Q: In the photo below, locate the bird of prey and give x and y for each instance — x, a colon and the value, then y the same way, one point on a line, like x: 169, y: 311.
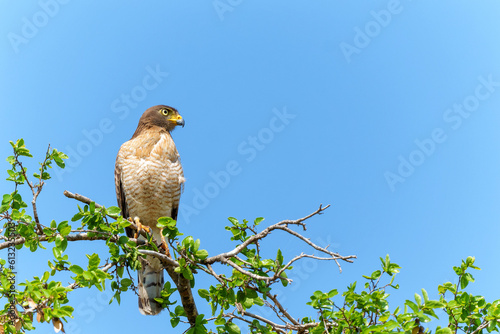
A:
x: 149, y: 180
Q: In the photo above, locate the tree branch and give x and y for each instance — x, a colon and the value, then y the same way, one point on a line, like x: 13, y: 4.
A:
x: 282, y: 225
x: 282, y: 309
x: 70, y: 237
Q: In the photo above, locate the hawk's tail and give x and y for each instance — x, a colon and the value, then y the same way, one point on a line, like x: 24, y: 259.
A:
x: 150, y: 286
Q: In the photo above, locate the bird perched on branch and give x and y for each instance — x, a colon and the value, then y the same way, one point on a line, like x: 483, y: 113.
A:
x: 149, y: 181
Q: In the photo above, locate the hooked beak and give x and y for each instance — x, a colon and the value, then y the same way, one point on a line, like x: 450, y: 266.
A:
x: 180, y: 121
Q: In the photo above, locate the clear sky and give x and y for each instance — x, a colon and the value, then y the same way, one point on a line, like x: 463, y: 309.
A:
x: 388, y: 110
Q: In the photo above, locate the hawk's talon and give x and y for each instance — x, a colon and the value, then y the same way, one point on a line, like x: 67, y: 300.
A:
x: 140, y: 227
x: 164, y: 246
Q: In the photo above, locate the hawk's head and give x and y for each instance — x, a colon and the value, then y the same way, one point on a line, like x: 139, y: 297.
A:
x: 163, y: 116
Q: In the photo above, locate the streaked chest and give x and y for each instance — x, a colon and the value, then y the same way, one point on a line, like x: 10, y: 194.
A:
x: 151, y: 174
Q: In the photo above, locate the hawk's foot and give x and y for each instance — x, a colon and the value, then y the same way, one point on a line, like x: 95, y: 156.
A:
x: 140, y: 227
x: 164, y: 246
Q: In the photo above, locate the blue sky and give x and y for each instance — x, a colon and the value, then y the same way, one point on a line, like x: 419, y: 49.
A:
x: 388, y: 110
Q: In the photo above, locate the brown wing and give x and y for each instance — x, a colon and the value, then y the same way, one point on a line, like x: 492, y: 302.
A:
x: 120, y: 195
x: 175, y: 210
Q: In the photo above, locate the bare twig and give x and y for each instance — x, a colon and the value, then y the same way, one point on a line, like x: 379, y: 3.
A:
x: 214, y: 274
x: 35, y: 190
x: 301, y: 256
x: 282, y: 225
x: 80, y: 198
x: 282, y: 309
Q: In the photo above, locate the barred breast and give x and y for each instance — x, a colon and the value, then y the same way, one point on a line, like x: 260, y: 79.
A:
x: 152, y: 176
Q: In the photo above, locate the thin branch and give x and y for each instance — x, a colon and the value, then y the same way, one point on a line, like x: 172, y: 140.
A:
x: 162, y: 257
x: 278, y: 328
x: 483, y: 326
x: 261, y: 235
x: 39, y: 187
x: 243, y: 261
x: 33, y: 191
x: 214, y: 274
x: 301, y: 256
x: 335, y: 256
x: 87, y: 200
x: 80, y: 198
x: 70, y: 237
x: 282, y: 309
x: 249, y: 274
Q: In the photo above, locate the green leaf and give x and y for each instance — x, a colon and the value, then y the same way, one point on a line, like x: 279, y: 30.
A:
x: 201, y: 254
x: 58, y: 158
x: 418, y: 299
x: 76, y: 217
x: 61, y: 242
x: 412, y: 305
x: 126, y: 282
x: 6, y: 198
x: 93, y: 261
x: 76, y: 269
x: 123, y: 240
x: 376, y: 274
x: 464, y: 281
x: 196, y: 245
x: 434, y: 304
x: 284, y: 282
x: 179, y: 311
x: 332, y: 293
x: 204, y: 293
x: 64, y: 228
x: 445, y: 330
x: 258, y: 301
x: 4, y: 207
x: 11, y: 160
x: 491, y: 326
x: 175, y: 321
x: 57, y: 252
x: 258, y: 220
x: 113, y: 211
x: 233, y: 220
x: 188, y: 242
x: 166, y: 222
x: 232, y: 328
x: 424, y: 294
x: 279, y: 257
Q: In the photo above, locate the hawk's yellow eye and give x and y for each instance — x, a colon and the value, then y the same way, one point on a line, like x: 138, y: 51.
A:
x: 165, y: 112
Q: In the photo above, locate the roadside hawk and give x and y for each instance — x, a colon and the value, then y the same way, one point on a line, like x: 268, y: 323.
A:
x: 148, y: 181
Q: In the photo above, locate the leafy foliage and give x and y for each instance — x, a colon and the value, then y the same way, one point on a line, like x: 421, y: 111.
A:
x: 245, y: 285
